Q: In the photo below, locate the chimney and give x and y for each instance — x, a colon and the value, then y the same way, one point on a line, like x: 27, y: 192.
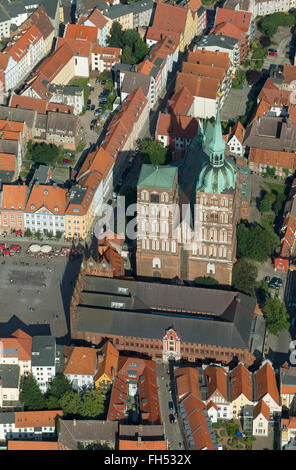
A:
x: 139, y: 441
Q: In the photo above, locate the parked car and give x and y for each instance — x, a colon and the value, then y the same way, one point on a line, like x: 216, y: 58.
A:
x: 172, y: 418
x: 103, y: 82
x: 267, y: 279
x: 171, y: 405
x: 272, y: 52
x: 92, y: 108
x: 280, y: 282
x: 68, y: 154
x: 66, y: 161
x: 273, y: 283
x: 88, y: 102
x: 114, y: 195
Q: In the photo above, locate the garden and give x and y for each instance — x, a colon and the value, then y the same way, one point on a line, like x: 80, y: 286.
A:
x: 228, y: 434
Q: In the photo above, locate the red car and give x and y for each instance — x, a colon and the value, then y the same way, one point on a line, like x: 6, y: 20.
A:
x: 272, y: 52
x: 66, y: 161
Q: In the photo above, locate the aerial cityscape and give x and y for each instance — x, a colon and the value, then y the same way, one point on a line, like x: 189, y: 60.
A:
x: 147, y: 226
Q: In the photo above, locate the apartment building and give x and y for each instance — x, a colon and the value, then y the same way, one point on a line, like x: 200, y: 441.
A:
x: 13, y: 200
x: 44, y: 357
x: 101, y: 22
x: 41, y: 20
x: 16, y: 350
x: 107, y: 366
x: 11, y: 13
x: 80, y: 366
x: 176, y: 132
x: 104, y: 58
x: 221, y: 43
x: 9, y: 385
x: 34, y: 425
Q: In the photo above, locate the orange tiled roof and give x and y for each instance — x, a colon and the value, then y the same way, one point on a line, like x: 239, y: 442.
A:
x: 20, y: 48
x: 13, y: 197
x: 202, y: 439
x: 216, y: 380
x: 36, y: 419
x: 289, y: 72
x: 181, y: 102
x: 261, y: 408
x: 194, y: 5
x: 228, y: 29
x: 98, y: 19
x: 80, y: 361
x: 239, y: 18
x: 156, y: 34
x: 210, y: 58
x: 177, y: 126
x: 52, y: 198
x: 26, y: 102
x: 204, y: 71
x: 170, y: 17
x: 198, y: 86
x: 238, y: 131
x: 76, y: 31
x: 272, y: 158
x: 32, y: 445
x: 265, y: 382
x: 211, y: 404
x: 142, y: 445
x: 110, y: 360
x: 7, y: 161
x: 21, y: 342
x: 241, y: 382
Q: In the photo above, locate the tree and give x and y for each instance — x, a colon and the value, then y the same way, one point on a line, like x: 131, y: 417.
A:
x: 127, y: 56
x: 115, y: 38
x: 58, y: 235
x: 255, y: 242
x: 92, y: 404
x: 70, y: 403
x: 265, y: 41
x: 206, y: 281
x: 278, y: 204
x: 38, y: 234
x: 52, y: 403
x: 244, y: 276
x: 262, y: 292
x: 59, y: 385
x: 28, y: 233
x: 154, y: 152
x: 130, y: 37
x: 31, y: 395
x: 264, y: 206
x: 276, y: 316
x: 270, y: 172
x: 268, y: 27
x: 141, y: 50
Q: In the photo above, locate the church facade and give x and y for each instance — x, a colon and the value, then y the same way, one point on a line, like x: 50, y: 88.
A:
x: 188, y: 211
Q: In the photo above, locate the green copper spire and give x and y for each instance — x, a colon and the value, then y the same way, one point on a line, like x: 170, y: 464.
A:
x: 217, y: 144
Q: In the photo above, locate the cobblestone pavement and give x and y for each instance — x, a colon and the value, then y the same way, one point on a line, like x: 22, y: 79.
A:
x: 235, y: 104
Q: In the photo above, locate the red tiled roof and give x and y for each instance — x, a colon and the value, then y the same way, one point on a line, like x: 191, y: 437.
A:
x: 261, y: 408
x: 273, y: 158
x: 142, y: 445
x: 21, y: 342
x: 36, y: 419
x: 198, y: 86
x: 80, y: 361
x: 7, y: 162
x: 26, y: 102
x: 76, y: 31
x: 216, y: 381
x: 20, y: 48
x: 265, y: 382
x: 239, y: 18
x: 13, y: 197
x: 32, y: 445
x: 238, y: 131
x: 228, y: 29
x: 108, y: 366
x: 97, y: 18
x: 170, y: 17
x: 51, y: 197
x: 241, y: 382
x: 156, y: 34
x: 181, y: 102
x: 210, y: 58
x: 177, y: 126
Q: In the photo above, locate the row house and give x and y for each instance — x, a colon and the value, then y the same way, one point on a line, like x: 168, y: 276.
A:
x: 125, y: 128
x: 16, y: 132
x: 260, y: 7
x: 288, y: 393
x: 39, y: 105
x: 41, y: 20
x: 16, y: 350
x: 45, y: 358
x: 13, y: 201
x: 94, y: 183
x: 9, y: 385
x: 135, y: 377
x: 8, y: 164
x: 194, y: 413
x: 181, y: 103
x: 20, y: 57
x: 130, y: 15
x: 287, y: 233
x: 104, y: 58
x: 235, y: 140
x: 224, y: 44
x: 283, y: 162
x: 176, y: 132
x: 98, y: 20
x: 107, y: 367
x: 199, y: 11
x: 11, y: 13
x: 34, y: 425
x: 80, y: 367
x: 58, y: 128
x: 45, y: 209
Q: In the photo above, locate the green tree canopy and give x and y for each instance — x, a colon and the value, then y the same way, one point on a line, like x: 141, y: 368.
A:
x: 244, y: 276
x: 59, y: 385
x: 276, y: 316
x: 255, y: 242
x: 115, y: 38
x: 140, y: 50
x: 154, y: 152
x: 70, y: 403
x: 264, y: 206
x: 206, y: 281
x: 92, y: 404
x: 52, y: 403
x: 31, y: 395
x: 134, y: 49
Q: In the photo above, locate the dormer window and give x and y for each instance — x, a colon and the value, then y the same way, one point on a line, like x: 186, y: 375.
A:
x: 45, y: 191
x: 56, y: 208
x: 32, y: 206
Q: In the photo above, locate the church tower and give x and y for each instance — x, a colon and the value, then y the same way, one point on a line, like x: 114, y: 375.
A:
x: 213, y: 251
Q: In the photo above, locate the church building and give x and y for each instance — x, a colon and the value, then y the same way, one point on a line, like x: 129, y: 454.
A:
x: 188, y: 211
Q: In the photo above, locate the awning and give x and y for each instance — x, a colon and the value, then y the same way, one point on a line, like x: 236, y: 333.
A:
x: 46, y: 249
x: 34, y: 248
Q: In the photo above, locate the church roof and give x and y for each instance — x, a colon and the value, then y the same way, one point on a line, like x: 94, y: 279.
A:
x: 157, y: 176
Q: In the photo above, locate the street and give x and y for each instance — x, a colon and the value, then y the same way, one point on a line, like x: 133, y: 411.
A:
x: 172, y: 430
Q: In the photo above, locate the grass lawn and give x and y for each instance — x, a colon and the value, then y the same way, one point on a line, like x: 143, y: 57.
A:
x: 278, y: 188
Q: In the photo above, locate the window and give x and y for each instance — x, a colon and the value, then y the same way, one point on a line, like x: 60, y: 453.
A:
x: 156, y: 263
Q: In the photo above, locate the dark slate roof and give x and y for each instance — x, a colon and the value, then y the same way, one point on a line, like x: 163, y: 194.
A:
x: 288, y: 376
x: 7, y: 418
x: 115, y: 11
x: 130, y: 431
x: 46, y: 347
x: 134, y: 80
x: 74, y: 431
x: 9, y: 375
x: 18, y: 114
x: 147, y: 310
x: 271, y: 133
x: 217, y: 40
